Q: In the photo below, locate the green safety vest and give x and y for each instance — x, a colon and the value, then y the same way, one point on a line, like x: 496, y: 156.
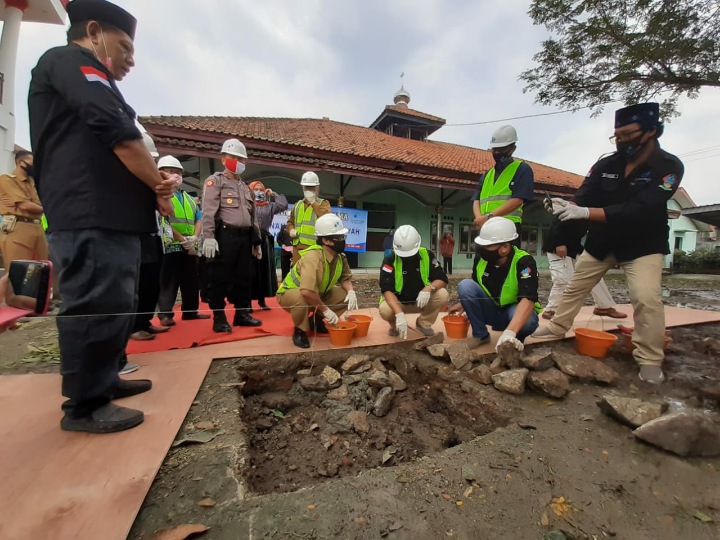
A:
x: 495, y: 193
x: 424, y: 271
x: 43, y: 221
x: 305, y: 219
x: 509, y: 292
x: 292, y: 280
x: 183, y: 216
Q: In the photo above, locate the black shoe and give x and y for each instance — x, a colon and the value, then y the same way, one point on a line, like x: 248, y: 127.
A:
x: 109, y: 418
x: 300, y: 339
x: 157, y: 329
x: 167, y: 321
x: 263, y: 305
x: 320, y: 327
x: 221, y: 325
x: 131, y: 388
x: 243, y: 319
x: 194, y: 316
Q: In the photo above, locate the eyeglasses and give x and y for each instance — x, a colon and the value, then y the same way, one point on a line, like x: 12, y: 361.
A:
x: 623, y: 137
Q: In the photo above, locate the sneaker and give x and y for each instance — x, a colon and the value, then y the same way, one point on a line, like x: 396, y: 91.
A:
x: 475, y: 342
x: 142, y: 335
x: 129, y: 368
x: 425, y: 331
x: 546, y: 333
x: 651, y: 374
x: 131, y: 388
x: 548, y: 314
x: 109, y: 418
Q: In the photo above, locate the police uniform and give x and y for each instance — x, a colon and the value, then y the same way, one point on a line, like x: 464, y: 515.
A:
x: 27, y: 238
x: 229, y: 217
x: 406, y: 277
x: 491, y: 297
x: 634, y: 236
x: 314, y: 272
x: 302, y: 218
x: 97, y: 209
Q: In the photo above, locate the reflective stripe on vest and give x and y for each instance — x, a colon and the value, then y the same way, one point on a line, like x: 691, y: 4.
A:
x: 183, y: 216
x: 424, y: 270
x: 43, y: 221
x: 509, y: 292
x: 305, y: 223
x: 292, y: 280
x: 495, y: 193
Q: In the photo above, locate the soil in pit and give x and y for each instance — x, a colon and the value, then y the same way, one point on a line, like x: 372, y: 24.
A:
x: 285, y: 429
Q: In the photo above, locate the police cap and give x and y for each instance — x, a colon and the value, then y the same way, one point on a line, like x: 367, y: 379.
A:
x: 645, y: 114
x: 104, y: 12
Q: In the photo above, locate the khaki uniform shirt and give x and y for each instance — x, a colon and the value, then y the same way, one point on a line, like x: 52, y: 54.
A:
x: 228, y: 200
x: 15, y: 189
x: 311, y: 268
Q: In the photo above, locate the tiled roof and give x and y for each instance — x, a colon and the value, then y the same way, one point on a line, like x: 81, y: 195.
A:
x: 347, y: 144
x: 412, y: 112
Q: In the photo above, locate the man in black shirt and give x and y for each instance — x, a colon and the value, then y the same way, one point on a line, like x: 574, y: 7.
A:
x: 411, y: 281
x: 623, y: 205
x: 503, y: 291
x: 100, y: 188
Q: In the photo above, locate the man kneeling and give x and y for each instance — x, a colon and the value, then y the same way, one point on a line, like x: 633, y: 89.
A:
x: 503, y: 291
x: 319, y: 280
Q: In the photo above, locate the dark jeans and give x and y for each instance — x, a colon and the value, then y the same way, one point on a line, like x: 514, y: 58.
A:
x: 148, y: 282
x: 99, y: 272
x: 447, y: 265
x: 285, y: 263
x: 179, y: 271
x: 231, y: 271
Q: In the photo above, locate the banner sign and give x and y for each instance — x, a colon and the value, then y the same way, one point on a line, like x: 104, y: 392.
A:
x: 354, y: 220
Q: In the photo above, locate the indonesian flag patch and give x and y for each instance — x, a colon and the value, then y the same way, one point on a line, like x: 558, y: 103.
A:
x: 387, y: 268
x: 95, y: 75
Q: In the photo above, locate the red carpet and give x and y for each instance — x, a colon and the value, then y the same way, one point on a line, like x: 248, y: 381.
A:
x: 187, y: 334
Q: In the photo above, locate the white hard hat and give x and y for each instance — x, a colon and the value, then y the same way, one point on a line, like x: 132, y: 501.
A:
x: 150, y: 144
x: 329, y: 225
x: 503, y: 136
x: 497, y: 230
x: 170, y: 162
x: 406, y: 241
x: 234, y: 147
x: 310, y: 179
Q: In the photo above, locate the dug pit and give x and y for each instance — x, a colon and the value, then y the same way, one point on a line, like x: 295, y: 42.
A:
x: 334, y: 415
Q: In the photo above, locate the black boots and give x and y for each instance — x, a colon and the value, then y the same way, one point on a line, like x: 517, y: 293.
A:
x: 220, y: 323
x: 300, y: 339
x: 243, y: 318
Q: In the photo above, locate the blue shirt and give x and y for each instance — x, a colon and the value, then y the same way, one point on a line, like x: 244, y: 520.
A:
x: 522, y: 185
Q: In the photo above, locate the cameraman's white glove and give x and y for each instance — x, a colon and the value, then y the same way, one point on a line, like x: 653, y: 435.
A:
x: 257, y: 251
x: 351, y: 300
x: 331, y: 317
x: 401, y: 325
x: 210, y: 248
x: 293, y: 233
x: 509, y: 335
x: 422, y: 299
x: 566, y: 211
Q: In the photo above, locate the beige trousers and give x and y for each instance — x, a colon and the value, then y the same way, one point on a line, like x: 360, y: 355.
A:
x: 293, y: 302
x: 428, y: 315
x: 27, y: 242
x: 643, y: 276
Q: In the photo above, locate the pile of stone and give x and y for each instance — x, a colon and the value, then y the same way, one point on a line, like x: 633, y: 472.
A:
x: 362, y: 386
x: 543, y: 370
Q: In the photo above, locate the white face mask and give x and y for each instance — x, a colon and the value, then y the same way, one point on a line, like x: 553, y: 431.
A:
x: 239, y: 168
x: 309, y: 194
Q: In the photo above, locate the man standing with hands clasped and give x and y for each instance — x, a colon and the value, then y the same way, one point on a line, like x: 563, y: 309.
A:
x: 89, y: 155
x: 623, y: 205
x: 301, y: 221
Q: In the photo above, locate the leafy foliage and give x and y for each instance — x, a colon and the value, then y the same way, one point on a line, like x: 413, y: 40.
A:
x: 624, y: 50
x: 702, y: 261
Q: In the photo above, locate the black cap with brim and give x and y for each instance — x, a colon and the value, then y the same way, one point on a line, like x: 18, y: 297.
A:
x: 645, y: 114
x: 104, y: 12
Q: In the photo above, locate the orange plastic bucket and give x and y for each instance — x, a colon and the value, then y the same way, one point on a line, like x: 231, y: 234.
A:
x: 456, y: 326
x: 362, y: 322
x: 342, y: 334
x: 595, y: 343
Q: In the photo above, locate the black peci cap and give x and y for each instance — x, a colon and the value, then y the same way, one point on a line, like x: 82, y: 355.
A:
x: 646, y: 114
x: 104, y: 12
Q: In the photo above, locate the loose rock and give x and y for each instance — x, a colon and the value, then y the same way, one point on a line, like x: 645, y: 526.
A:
x: 631, y: 411
x: 397, y: 383
x: 438, y: 351
x: 584, y: 367
x: 353, y: 379
x: 339, y: 393
x: 354, y: 362
x: 303, y: 373
x: 359, y: 422
x: 318, y: 383
x: 333, y: 377
x: 711, y: 392
x: 459, y: 354
x: 378, y: 379
x: 377, y: 365
x: 539, y: 360
x: 439, y: 337
x: 383, y: 401
x: 510, y: 355
x: 481, y: 374
x: 511, y: 381
x: 683, y: 433
x: 497, y: 366
x: 552, y: 382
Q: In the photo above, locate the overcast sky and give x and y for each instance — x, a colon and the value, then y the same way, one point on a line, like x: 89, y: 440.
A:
x: 312, y: 58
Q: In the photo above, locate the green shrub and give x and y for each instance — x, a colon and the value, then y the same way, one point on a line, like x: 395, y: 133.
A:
x: 702, y: 261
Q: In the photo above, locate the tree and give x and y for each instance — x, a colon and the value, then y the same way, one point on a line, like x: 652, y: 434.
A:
x: 624, y: 50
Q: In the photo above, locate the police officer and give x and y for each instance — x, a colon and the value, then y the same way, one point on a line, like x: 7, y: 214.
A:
x: 100, y: 188
x: 231, y: 238
x: 21, y: 235
x: 503, y: 291
x: 180, y: 262
x: 622, y: 204
x: 320, y: 281
x: 411, y: 281
x: 504, y: 189
x: 301, y: 221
